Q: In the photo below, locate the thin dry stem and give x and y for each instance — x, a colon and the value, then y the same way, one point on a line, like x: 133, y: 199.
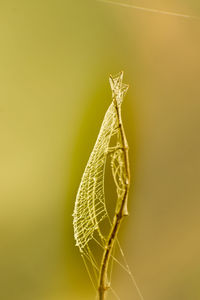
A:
x: 119, y: 214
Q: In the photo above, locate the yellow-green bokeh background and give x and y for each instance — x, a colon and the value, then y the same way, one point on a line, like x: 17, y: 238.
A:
x: 55, y: 59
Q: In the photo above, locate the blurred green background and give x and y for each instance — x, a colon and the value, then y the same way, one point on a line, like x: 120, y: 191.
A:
x: 55, y: 59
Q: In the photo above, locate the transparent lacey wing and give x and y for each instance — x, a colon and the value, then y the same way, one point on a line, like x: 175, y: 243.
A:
x: 90, y: 206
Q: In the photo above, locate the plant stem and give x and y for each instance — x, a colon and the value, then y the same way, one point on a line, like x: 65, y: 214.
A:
x: 119, y: 214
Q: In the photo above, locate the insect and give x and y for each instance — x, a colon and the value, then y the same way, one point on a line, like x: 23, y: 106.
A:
x: 90, y: 207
